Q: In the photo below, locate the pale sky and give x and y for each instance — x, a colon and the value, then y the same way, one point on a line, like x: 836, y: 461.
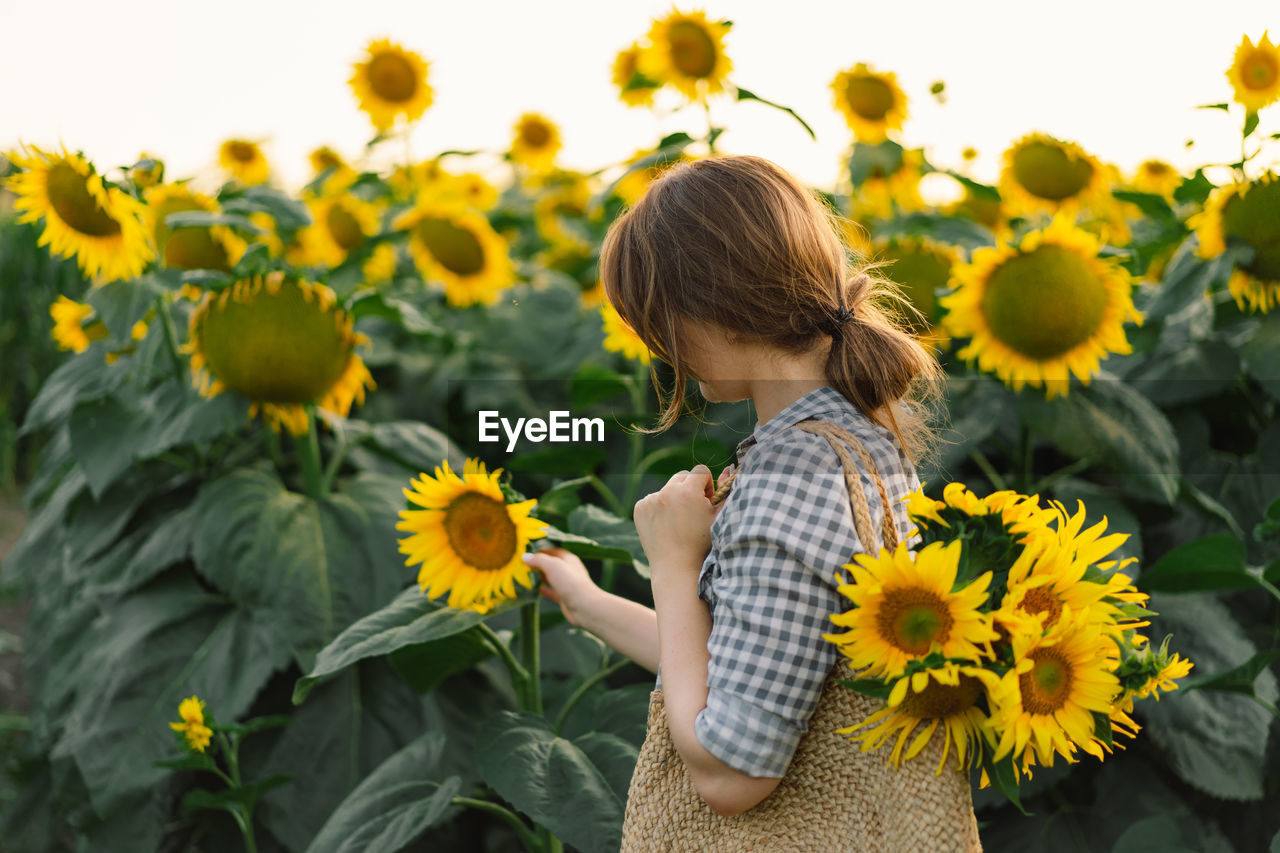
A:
x: 176, y: 77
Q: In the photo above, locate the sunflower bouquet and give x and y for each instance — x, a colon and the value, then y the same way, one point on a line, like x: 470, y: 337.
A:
x: 1003, y: 629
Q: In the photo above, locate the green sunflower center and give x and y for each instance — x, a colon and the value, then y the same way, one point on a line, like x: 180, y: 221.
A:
x: 1156, y: 169
x: 71, y: 200
x: 693, y: 51
x: 1255, y: 218
x: 480, y: 531
x: 242, y: 152
x: 188, y: 248
x: 275, y: 347
x: 869, y: 97
x: 391, y: 77
x: 343, y: 227
x: 1045, y: 302
x: 913, y: 619
x: 1260, y: 70
x: 920, y: 273
x: 456, y: 248
x: 535, y: 134
x: 1046, y: 686
x: 1049, y: 171
x: 326, y: 159
x: 943, y: 700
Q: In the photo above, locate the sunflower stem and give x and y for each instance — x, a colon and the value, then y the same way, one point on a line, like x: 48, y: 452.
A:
x: 309, y: 458
x: 638, y: 388
x: 578, y: 695
x: 608, y: 494
x: 529, y: 629
x: 989, y: 471
x: 527, y: 837
x: 518, y: 673
x: 551, y: 843
x: 171, y: 339
x: 1025, y: 446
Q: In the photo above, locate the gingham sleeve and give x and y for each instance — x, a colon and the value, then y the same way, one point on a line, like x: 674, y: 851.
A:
x: 784, y: 531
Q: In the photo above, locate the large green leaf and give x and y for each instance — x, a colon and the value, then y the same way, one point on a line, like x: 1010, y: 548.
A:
x: 556, y: 781
x: 314, y: 566
x: 135, y: 663
x: 1216, y: 742
x: 1214, y: 562
x: 394, y: 804
x: 411, y: 619
x: 607, y: 529
x: 81, y: 378
x: 101, y: 434
x: 1261, y: 354
x: 1113, y: 426
x: 1189, y: 373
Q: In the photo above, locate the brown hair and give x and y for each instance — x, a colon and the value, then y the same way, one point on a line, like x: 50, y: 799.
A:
x: 738, y: 242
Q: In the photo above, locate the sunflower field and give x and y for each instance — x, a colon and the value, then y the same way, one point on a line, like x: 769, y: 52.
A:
x: 273, y: 575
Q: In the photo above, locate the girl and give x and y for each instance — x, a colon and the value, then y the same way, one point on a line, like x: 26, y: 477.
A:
x: 734, y: 275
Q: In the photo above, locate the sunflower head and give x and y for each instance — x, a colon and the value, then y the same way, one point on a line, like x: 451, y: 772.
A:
x: 105, y: 229
x: 871, y: 102
x: 70, y: 331
x: 341, y: 223
x: 390, y: 82
x: 1255, y: 73
x: 1156, y: 176
x: 535, y: 141
x: 1036, y: 314
x: 908, y: 605
x: 634, y: 88
x: 458, y: 248
x: 282, y: 342
x: 1248, y: 213
x: 1044, y: 174
x: 621, y: 338
x: 147, y: 171
x: 467, y: 537
x: 244, y: 160
x: 921, y: 267
x: 686, y: 51
x: 213, y: 248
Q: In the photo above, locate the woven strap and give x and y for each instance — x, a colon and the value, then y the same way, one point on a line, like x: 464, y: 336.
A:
x: 838, y: 437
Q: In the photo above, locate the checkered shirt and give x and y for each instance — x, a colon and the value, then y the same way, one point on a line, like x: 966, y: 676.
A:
x: 769, y: 579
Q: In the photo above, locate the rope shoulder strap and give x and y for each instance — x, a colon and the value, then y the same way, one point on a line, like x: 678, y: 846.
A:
x: 841, y: 440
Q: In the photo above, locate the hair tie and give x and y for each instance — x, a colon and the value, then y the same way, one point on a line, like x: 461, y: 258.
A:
x: 832, y: 324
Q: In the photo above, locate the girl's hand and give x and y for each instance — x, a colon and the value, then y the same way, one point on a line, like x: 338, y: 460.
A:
x: 674, y: 523
x: 565, y: 581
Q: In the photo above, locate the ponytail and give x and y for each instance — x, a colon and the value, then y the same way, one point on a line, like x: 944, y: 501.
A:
x: 876, y: 364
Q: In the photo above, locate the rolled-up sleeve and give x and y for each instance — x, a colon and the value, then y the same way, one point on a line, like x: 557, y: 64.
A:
x: 784, y: 531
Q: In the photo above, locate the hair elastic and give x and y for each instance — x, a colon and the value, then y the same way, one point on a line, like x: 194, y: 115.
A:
x: 832, y: 325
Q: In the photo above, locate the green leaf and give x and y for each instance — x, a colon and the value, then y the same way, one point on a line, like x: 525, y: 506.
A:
x: 1216, y: 742
x: 1219, y: 106
x: 1240, y: 679
x: 394, y: 804
x: 1004, y: 778
x: 206, y: 219
x: 868, y: 160
x: 411, y: 619
x: 137, y: 661
x: 1158, y: 832
x: 79, y: 379
x: 230, y: 798
x: 425, y: 665
x: 1214, y: 562
x: 554, y: 780
x: 1114, y: 426
x: 618, y: 534
x: 593, y: 383
x: 1153, y: 205
x: 873, y: 687
x: 558, y: 460
x: 1250, y: 124
x: 413, y: 446
x: 289, y: 213
x: 1186, y: 280
x: 1187, y: 374
x: 101, y: 432
x: 744, y: 95
x: 1261, y: 354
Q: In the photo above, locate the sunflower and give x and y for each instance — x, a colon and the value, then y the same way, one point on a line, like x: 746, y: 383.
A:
x: 882, y: 192
x: 562, y: 201
x: 214, y: 248
x: 619, y: 337
x: 871, y: 102
x: 921, y: 267
x: 468, y: 539
x: 1046, y: 583
x: 390, y: 82
x: 244, y: 159
x: 634, y: 182
x: 102, y: 227
x: 381, y: 265
x: 1045, y: 703
x: 340, y: 224
x: 578, y: 260
x: 906, y: 606
x: 1250, y: 213
x: 535, y: 141
x: 945, y: 696
x: 1039, y: 312
x: 1044, y: 174
x: 459, y: 248
x: 687, y: 51
x: 1170, y: 669
x: 196, y: 734
x: 147, y: 171
x: 281, y: 342
x: 1020, y: 515
x: 634, y: 88
x: 1156, y: 176
x: 70, y: 331
x: 1255, y: 73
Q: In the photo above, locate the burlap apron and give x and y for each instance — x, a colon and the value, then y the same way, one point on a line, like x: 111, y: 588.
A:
x: 833, y: 798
